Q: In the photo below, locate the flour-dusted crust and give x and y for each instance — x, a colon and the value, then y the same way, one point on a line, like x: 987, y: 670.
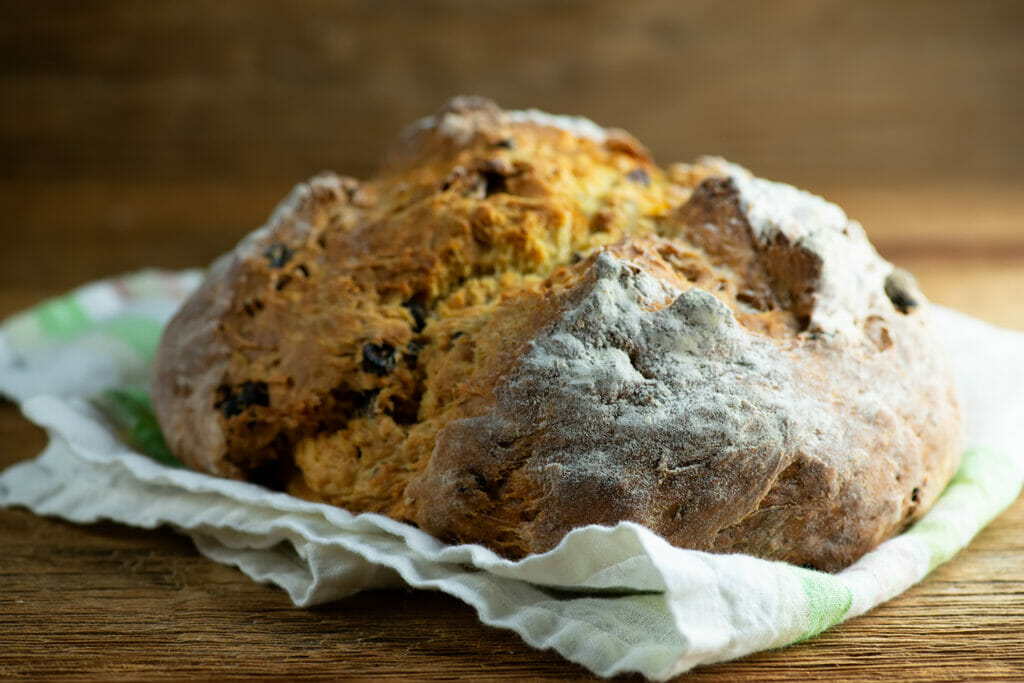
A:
x: 522, y: 325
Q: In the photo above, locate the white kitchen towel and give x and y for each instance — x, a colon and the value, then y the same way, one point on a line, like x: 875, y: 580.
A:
x: 612, y: 599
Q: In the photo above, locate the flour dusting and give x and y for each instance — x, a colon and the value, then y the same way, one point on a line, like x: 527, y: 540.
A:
x: 461, y: 126
x: 641, y: 388
x: 576, y: 125
x: 853, y: 274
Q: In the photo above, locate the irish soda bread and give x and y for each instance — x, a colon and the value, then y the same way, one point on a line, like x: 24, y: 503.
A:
x: 522, y: 325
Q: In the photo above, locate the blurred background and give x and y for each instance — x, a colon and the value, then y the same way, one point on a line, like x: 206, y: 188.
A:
x: 148, y: 133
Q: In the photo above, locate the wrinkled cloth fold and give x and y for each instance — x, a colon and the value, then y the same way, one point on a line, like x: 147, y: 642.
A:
x: 614, y: 600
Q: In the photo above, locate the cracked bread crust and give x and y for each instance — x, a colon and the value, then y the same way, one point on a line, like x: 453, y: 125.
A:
x: 522, y: 325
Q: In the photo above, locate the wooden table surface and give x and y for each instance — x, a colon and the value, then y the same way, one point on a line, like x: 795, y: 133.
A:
x: 137, y: 134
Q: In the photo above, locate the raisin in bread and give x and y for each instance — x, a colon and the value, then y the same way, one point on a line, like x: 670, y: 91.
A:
x: 522, y: 325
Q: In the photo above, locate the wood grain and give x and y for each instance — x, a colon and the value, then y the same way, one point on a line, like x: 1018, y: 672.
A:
x: 266, y: 91
x: 137, y: 134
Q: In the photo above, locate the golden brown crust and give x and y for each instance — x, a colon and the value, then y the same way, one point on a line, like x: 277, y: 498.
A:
x: 391, y: 346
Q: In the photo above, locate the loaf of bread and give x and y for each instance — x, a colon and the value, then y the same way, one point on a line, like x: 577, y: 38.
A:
x: 522, y: 325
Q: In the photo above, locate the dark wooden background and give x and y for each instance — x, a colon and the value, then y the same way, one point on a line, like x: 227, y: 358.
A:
x: 156, y: 133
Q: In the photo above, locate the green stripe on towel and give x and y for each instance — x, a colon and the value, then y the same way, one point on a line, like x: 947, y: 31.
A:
x: 131, y: 414
x: 62, y: 318
x: 828, y: 600
x: 142, y: 334
x: 985, y: 484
